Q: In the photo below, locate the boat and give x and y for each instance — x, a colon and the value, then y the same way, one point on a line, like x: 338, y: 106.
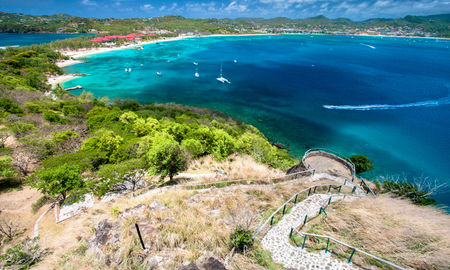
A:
x: 195, y: 63
x: 196, y: 74
x: 235, y: 61
x: 159, y: 73
x: 127, y: 69
x: 139, y: 48
x: 221, y: 78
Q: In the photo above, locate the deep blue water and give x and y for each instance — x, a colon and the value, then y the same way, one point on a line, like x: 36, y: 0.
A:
x: 282, y: 84
x: 7, y: 39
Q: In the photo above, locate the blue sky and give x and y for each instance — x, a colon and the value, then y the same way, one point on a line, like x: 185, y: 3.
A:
x: 354, y: 9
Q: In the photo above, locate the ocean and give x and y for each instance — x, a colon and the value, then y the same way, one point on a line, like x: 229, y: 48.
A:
x: 384, y: 97
x: 8, y: 39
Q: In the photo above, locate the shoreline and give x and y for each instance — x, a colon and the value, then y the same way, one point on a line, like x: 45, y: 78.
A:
x: 54, y: 80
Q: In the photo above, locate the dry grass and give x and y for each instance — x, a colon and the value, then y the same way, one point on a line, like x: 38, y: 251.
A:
x: 236, y: 167
x: 394, y: 229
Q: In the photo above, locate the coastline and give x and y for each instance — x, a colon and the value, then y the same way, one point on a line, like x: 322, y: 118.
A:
x: 54, y: 80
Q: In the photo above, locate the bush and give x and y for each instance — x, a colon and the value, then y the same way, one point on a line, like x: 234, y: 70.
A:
x: 408, y: 190
x: 362, y: 163
x: 33, y: 107
x: 194, y: 147
x: 73, y: 110
x: 20, y: 127
x: 223, y: 144
x: 6, y: 171
x: 22, y: 256
x: 8, y: 106
x: 241, y: 239
x: 55, y: 118
x: 63, y: 136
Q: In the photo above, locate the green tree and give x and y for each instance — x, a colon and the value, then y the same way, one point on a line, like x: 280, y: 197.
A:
x: 223, y: 144
x: 166, y: 157
x: 194, y: 147
x: 6, y: 171
x: 362, y: 163
x: 59, y: 181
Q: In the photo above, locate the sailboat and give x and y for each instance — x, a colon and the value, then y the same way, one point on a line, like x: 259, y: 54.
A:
x: 159, y: 73
x: 221, y: 78
x: 195, y: 63
x: 196, y: 74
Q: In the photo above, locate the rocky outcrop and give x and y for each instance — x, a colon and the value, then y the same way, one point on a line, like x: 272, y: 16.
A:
x: 296, y: 168
x: 204, y: 263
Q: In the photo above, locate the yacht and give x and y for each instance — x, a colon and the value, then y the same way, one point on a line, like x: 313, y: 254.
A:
x: 196, y: 74
x: 159, y: 73
x: 221, y: 78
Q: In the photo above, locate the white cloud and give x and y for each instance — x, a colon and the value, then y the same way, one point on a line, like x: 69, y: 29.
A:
x: 162, y: 8
x: 147, y: 7
x: 234, y: 6
x: 88, y: 3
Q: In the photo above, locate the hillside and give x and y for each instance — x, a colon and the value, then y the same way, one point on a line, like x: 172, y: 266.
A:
x: 434, y: 25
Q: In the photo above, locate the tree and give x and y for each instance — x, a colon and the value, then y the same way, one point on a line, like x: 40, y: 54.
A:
x: 362, y: 163
x: 59, y: 181
x: 166, y: 157
x: 5, y: 168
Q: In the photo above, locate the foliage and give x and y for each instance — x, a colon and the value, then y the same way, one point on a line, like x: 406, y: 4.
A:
x: 55, y: 118
x: 194, y: 147
x: 241, y: 239
x: 19, y: 128
x: 22, y: 256
x: 115, y: 211
x: 166, y: 157
x: 7, y: 106
x: 59, y: 181
x: 362, y: 163
x: 408, y: 190
x: 39, y: 203
x: 6, y: 171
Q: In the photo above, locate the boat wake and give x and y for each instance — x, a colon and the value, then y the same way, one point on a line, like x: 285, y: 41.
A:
x: 427, y: 103
x: 367, y: 45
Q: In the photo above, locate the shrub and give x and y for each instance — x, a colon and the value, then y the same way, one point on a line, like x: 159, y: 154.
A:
x: 6, y: 171
x: 19, y: 128
x: 194, y: 147
x: 408, y: 190
x: 128, y: 118
x: 8, y: 106
x: 55, y: 118
x: 362, y: 163
x: 73, y: 110
x: 33, y: 107
x: 143, y: 127
x: 39, y: 203
x: 63, y: 136
x: 241, y: 239
x: 22, y: 256
x: 223, y: 144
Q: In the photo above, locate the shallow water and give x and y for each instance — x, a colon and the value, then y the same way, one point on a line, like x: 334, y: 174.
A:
x: 387, y: 98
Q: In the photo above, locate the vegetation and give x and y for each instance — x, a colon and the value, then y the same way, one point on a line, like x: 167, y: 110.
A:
x: 362, y: 163
x: 408, y: 190
x: 241, y: 239
x: 62, y: 23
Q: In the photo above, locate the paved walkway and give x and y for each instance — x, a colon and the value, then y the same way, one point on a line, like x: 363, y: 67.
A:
x: 277, y: 239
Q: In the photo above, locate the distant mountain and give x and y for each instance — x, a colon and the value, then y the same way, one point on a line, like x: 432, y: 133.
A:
x: 435, y: 25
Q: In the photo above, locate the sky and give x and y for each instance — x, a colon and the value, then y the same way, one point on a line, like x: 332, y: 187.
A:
x: 353, y: 9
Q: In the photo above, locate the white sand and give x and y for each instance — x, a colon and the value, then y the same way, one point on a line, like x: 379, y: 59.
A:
x: 55, y: 80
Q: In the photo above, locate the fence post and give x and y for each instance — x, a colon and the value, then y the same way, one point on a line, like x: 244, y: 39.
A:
x: 306, y: 218
x: 295, y: 200
x: 345, y: 182
x: 309, y: 192
x: 284, y: 209
x: 340, y: 189
x: 271, y: 220
x: 329, y: 188
x: 304, y: 240
x: 139, y: 234
x: 329, y: 201
x: 353, y: 190
x: 290, y: 234
x: 350, y: 259
x: 322, y: 210
x: 315, y: 189
x: 328, y: 242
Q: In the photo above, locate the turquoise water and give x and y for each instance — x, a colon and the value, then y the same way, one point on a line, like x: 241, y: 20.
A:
x: 8, y: 39
x: 387, y: 98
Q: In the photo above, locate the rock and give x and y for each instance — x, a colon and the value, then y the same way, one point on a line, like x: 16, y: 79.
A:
x: 212, y: 263
x: 154, y: 262
x: 296, y: 168
x: 155, y: 205
x: 279, y: 145
x: 135, y: 211
x: 191, y: 266
x: 102, y: 233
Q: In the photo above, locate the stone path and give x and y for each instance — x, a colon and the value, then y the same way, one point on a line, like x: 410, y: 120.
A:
x: 277, y: 239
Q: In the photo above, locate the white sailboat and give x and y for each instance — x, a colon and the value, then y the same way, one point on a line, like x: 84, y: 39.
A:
x: 195, y: 63
x: 221, y: 78
x: 159, y: 73
x: 196, y: 74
